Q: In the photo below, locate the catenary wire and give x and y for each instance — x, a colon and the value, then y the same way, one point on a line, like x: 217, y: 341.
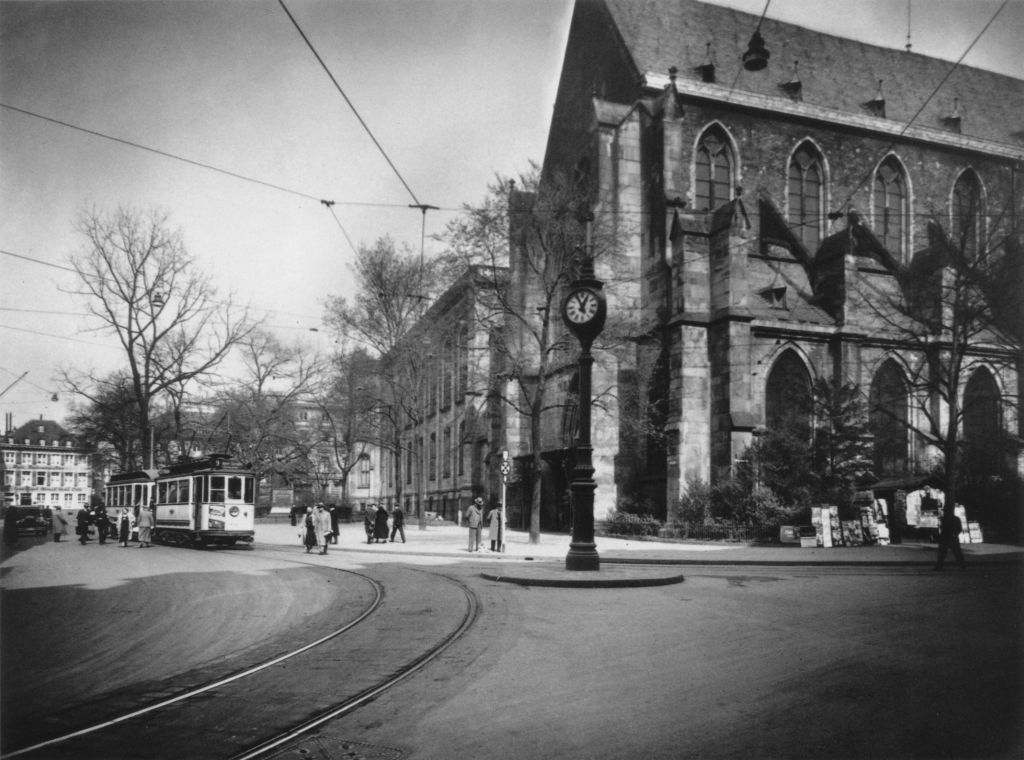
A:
x: 351, y: 105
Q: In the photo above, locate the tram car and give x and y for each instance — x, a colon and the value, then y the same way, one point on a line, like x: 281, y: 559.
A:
x: 199, y: 502
x: 129, y: 489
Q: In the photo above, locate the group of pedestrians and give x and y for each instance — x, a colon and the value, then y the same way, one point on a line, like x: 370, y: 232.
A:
x: 319, y: 527
x: 475, y: 519
x: 375, y: 523
x: 118, y: 527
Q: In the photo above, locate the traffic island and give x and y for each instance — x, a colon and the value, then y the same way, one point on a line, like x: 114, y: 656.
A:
x: 552, y: 575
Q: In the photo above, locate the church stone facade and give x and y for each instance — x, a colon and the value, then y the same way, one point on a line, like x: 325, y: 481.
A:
x: 766, y: 213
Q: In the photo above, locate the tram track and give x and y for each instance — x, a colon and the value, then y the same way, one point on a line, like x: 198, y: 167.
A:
x: 187, y: 713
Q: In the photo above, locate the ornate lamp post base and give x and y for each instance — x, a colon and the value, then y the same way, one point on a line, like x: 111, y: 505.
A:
x: 582, y: 557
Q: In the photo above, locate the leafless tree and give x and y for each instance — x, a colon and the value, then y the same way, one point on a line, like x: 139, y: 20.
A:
x: 143, y: 286
x: 955, y: 308
x: 528, y: 237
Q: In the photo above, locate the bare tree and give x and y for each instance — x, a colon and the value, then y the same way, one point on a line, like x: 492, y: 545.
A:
x: 255, y: 419
x: 393, y: 288
x: 948, y: 315
x: 527, y: 237
x: 145, y: 288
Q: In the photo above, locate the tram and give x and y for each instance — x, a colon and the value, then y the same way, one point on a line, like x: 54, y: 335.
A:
x: 200, y: 502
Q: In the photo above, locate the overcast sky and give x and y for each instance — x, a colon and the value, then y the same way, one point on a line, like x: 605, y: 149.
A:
x: 453, y: 91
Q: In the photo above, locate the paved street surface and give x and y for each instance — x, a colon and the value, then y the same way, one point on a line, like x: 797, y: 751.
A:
x: 810, y: 653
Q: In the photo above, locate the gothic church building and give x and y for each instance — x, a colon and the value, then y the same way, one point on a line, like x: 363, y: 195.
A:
x: 760, y: 209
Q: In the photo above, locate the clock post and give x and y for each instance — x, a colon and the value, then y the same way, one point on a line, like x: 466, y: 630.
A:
x: 583, y: 311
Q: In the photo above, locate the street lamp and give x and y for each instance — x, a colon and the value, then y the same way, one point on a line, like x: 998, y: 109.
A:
x: 584, y: 311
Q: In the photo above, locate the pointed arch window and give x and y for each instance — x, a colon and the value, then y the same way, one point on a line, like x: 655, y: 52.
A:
x: 806, y: 185
x: 788, y: 397
x: 982, y: 424
x: 714, y: 170
x: 888, y: 420
x: 891, y: 205
x: 967, y: 213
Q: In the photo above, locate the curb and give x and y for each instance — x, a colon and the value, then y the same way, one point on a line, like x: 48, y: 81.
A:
x: 552, y: 581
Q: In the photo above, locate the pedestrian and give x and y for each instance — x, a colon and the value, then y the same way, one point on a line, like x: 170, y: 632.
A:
x: 333, y: 511
x: 308, y: 530
x: 397, y: 523
x: 146, y: 523
x: 380, y: 525
x: 474, y: 518
x: 82, y: 525
x: 950, y: 529
x: 368, y: 523
x: 102, y: 524
x: 11, y: 526
x: 322, y: 524
x: 494, y: 529
x: 124, y: 526
x: 60, y: 524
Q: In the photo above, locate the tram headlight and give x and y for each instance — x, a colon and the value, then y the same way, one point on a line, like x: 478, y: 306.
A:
x: 233, y: 511
x: 216, y: 525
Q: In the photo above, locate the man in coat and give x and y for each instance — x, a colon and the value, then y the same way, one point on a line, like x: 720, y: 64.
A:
x: 475, y: 518
x: 60, y: 523
x: 322, y: 526
x: 397, y: 523
x: 949, y: 539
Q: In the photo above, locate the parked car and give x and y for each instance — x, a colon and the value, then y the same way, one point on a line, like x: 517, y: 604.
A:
x: 33, y: 521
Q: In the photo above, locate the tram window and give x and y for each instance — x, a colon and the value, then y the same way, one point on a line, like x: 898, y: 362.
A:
x: 136, y: 494
x: 235, y: 488
x: 183, y: 489
x: 217, y: 488
x: 172, y: 492
x: 248, y: 491
x: 204, y: 489
x: 161, y: 493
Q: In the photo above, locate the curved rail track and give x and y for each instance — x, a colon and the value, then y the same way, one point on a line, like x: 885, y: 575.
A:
x: 286, y: 673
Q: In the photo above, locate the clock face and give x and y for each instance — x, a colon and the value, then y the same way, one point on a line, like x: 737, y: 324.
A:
x: 581, y: 306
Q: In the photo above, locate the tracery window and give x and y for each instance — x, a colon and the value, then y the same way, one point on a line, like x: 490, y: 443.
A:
x: 788, y: 397
x: 887, y: 413
x: 891, y: 205
x: 714, y: 170
x: 983, y: 424
x: 967, y: 213
x: 806, y: 184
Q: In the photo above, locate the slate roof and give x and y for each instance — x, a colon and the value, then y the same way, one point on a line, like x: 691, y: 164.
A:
x: 52, y: 431
x: 835, y: 73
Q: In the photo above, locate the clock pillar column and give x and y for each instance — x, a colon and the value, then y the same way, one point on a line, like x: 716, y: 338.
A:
x: 583, y: 311
x: 582, y: 550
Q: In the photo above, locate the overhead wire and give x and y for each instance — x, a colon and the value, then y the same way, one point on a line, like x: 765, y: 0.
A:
x: 351, y: 105
x: 43, y: 262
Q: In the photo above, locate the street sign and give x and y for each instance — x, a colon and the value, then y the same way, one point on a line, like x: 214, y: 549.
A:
x: 506, y: 468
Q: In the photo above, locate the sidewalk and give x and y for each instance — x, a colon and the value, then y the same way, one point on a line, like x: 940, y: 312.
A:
x: 449, y: 541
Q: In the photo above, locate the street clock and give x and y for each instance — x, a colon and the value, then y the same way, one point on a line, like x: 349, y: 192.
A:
x: 584, y: 310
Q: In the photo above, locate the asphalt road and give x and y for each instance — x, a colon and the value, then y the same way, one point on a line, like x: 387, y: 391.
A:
x: 747, y: 662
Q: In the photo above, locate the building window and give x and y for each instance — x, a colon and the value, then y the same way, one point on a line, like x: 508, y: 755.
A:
x: 967, y: 213
x: 432, y: 472
x: 462, y: 362
x: 983, y: 428
x: 40, y: 479
x: 363, y: 472
x: 887, y: 409
x: 446, y: 453
x: 10, y: 457
x: 408, y: 464
x: 788, y: 398
x: 891, y: 206
x: 714, y: 170
x: 805, y: 196
x: 461, y: 448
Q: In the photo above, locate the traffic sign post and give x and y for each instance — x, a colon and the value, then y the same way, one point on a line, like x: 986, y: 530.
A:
x: 506, y: 469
